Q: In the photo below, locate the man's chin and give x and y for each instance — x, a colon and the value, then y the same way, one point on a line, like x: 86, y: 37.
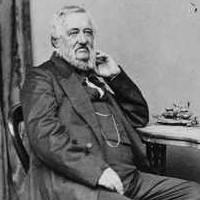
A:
x: 82, y: 64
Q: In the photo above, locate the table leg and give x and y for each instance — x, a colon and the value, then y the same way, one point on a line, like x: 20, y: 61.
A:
x: 156, y: 154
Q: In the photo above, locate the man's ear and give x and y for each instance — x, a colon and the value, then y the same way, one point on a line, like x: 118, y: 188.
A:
x: 56, y: 42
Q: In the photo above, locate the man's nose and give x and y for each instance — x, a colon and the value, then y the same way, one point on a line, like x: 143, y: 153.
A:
x: 82, y: 38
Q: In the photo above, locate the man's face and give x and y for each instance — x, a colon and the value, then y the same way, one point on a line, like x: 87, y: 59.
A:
x: 77, y: 40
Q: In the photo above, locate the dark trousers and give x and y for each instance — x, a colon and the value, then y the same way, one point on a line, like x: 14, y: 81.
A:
x: 154, y: 187
x: 145, y: 186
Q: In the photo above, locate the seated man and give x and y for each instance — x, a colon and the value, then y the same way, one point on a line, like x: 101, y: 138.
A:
x: 81, y: 111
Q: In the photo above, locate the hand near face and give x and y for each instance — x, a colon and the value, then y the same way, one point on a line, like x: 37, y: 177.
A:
x: 105, y: 65
x: 111, y: 180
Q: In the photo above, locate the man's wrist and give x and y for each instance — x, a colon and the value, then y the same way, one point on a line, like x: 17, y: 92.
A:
x: 112, y: 77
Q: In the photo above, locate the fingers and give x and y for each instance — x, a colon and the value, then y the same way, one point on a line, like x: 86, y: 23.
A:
x: 100, y: 53
x: 111, y: 180
x: 101, y: 57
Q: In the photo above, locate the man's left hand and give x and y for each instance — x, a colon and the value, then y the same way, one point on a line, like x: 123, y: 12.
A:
x: 105, y: 65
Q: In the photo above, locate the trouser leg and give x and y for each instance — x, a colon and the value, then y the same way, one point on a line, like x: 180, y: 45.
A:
x: 154, y: 187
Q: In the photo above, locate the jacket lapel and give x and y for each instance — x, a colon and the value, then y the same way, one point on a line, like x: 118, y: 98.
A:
x: 76, y: 94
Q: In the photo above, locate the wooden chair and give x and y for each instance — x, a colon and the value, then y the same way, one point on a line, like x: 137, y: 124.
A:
x: 15, y: 117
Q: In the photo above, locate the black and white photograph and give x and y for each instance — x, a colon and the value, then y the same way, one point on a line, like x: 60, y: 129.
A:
x: 99, y: 100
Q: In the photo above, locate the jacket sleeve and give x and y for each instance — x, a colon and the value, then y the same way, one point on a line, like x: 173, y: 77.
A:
x: 49, y: 139
x: 130, y: 99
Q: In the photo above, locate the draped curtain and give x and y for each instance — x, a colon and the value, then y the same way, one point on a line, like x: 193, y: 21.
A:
x: 15, y: 59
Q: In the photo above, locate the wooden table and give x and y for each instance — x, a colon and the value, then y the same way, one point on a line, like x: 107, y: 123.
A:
x: 158, y: 136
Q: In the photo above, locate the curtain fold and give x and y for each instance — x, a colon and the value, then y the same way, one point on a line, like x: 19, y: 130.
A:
x: 15, y: 59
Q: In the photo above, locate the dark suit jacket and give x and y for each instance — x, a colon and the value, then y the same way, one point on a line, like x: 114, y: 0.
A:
x: 64, y: 135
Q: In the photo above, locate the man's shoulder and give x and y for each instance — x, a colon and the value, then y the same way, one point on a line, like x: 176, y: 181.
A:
x: 49, y: 68
x: 37, y: 76
x: 40, y: 70
x: 44, y: 67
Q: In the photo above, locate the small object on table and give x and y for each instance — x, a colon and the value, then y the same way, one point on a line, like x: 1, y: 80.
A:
x: 177, y: 115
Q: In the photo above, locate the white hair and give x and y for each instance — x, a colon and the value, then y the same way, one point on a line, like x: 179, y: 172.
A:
x: 59, y: 19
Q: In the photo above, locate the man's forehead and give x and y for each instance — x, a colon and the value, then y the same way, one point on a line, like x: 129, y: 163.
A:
x: 78, y: 20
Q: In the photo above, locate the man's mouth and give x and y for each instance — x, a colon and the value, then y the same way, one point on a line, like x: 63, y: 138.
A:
x: 82, y: 49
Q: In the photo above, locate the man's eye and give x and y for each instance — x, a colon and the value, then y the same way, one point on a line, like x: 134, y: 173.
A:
x: 73, y: 33
x: 89, y: 32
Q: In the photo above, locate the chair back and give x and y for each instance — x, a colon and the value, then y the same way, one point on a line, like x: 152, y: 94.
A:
x: 15, y: 117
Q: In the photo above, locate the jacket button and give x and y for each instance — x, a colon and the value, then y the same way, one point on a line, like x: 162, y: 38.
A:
x: 89, y: 145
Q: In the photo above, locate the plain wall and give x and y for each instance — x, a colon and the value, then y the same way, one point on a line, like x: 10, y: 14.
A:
x: 156, y: 42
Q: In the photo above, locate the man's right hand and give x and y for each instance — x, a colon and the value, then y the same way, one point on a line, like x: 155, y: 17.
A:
x: 111, y: 180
